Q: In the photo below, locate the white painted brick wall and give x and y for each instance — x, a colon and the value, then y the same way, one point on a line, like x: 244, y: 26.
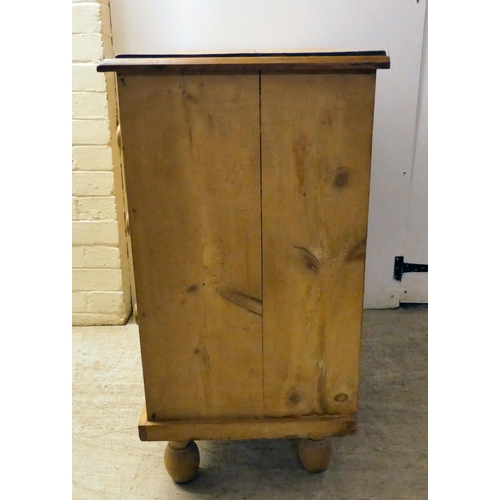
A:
x: 93, y: 183
x: 89, y: 280
x: 95, y: 232
x: 96, y: 319
x: 87, y: 79
x: 87, y: 47
x: 101, y: 302
x: 86, y: 18
x: 96, y: 257
x: 96, y: 208
x: 101, y: 281
x: 92, y: 158
x: 90, y: 105
x: 91, y: 132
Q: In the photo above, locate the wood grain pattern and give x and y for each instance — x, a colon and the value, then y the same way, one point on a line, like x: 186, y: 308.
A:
x: 316, y: 149
x: 362, y: 61
x: 246, y: 428
x: 191, y: 158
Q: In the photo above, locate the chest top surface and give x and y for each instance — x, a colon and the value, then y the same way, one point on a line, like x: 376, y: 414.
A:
x: 269, y: 62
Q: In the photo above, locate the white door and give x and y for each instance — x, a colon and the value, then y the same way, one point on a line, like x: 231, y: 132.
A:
x: 397, y: 26
x: 414, y: 285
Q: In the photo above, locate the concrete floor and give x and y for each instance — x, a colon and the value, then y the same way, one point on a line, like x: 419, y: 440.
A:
x: 387, y: 459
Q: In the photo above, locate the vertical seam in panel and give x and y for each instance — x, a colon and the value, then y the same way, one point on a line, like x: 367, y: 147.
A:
x: 261, y: 237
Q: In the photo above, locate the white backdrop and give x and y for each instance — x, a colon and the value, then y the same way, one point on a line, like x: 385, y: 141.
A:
x: 397, y: 26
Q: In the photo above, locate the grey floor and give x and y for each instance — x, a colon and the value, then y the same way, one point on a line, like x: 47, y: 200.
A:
x: 387, y: 459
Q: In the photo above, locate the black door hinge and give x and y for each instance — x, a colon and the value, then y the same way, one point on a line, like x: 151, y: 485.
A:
x: 401, y: 267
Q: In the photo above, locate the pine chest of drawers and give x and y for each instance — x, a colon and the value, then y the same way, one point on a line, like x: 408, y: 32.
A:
x: 247, y: 181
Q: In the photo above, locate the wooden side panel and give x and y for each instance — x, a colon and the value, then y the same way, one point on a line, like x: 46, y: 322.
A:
x: 192, y: 165
x: 316, y: 148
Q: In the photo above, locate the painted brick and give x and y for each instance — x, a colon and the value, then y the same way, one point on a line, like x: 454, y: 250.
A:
x: 106, y: 302
x: 78, y: 257
x: 98, y: 297
x: 102, y: 257
x: 97, y: 279
x: 101, y: 208
x: 80, y: 302
x: 89, y: 319
x: 87, y: 47
x: 74, y: 209
x: 96, y: 257
x: 89, y: 105
x: 86, y: 78
x: 89, y: 132
x: 93, y: 183
x: 92, y: 158
x: 91, y: 1
x: 86, y: 18
x: 95, y: 233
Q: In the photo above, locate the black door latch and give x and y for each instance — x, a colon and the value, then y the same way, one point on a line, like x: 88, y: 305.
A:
x: 401, y: 267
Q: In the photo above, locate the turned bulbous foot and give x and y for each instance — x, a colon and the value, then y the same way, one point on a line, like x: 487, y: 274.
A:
x: 315, y: 455
x: 182, y: 460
